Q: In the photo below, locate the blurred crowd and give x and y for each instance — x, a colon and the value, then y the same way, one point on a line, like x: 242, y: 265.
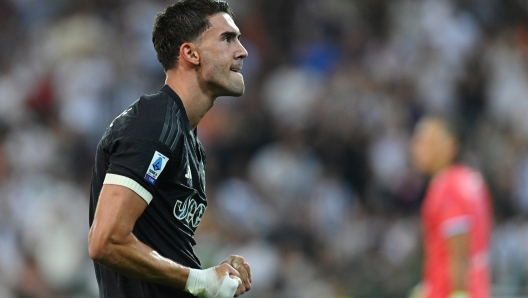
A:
x: 308, y: 173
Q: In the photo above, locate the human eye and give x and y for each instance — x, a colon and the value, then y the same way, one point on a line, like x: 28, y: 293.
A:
x: 228, y: 37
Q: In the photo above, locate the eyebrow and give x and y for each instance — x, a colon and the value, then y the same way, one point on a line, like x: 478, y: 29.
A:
x: 231, y: 34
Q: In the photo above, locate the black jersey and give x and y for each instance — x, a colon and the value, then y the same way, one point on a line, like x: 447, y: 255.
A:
x: 151, y: 149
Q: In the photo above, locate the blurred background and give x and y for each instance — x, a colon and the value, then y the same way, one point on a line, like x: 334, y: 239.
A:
x: 308, y: 173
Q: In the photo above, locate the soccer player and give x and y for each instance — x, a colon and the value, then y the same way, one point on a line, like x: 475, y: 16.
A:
x: 456, y: 216
x: 148, y: 186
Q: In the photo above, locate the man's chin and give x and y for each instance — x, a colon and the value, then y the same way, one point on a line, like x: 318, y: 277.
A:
x: 234, y: 91
x: 238, y: 92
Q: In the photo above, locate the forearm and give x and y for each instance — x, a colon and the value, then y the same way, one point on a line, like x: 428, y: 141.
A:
x: 458, y: 273
x: 458, y: 247
x: 134, y: 259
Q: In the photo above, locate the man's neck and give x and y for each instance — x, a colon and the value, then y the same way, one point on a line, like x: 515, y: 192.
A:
x: 195, y: 99
x: 442, y: 169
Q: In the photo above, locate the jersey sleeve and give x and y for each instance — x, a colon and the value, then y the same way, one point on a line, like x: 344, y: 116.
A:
x: 140, y: 156
x: 138, y: 164
x: 455, y: 216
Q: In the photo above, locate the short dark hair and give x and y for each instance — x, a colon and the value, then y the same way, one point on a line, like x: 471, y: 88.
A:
x: 181, y: 22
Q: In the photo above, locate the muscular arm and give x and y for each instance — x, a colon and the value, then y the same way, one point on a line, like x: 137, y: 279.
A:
x: 458, y: 250
x: 112, y: 243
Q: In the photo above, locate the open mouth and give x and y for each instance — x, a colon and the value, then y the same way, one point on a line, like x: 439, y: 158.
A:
x: 235, y: 70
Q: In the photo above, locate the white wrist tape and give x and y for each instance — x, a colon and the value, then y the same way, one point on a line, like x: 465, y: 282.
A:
x: 228, y: 287
x: 206, y: 284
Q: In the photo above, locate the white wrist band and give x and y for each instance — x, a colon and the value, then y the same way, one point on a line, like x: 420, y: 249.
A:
x: 206, y: 284
x: 196, y: 282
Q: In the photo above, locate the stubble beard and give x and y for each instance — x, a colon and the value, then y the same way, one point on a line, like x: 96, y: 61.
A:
x: 237, y: 86
x: 229, y: 85
x: 220, y: 82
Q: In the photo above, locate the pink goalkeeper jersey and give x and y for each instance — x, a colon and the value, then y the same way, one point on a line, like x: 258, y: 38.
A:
x: 456, y: 202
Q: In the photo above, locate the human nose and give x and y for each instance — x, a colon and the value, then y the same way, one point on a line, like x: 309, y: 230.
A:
x: 241, y: 52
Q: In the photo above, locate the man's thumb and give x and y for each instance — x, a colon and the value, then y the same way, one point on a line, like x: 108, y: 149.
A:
x: 228, y: 286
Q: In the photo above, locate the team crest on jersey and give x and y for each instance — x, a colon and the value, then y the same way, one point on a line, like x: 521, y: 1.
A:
x: 157, y: 164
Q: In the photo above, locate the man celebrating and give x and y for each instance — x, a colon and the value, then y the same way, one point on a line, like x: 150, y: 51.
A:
x: 148, y: 186
x: 456, y: 216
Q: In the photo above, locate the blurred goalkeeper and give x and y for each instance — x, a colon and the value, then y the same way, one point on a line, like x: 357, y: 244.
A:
x: 456, y: 216
x: 148, y: 185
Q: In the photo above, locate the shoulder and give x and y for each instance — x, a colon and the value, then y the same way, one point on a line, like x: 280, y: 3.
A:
x: 463, y: 177
x: 149, y: 112
x: 464, y: 183
x: 150, y: 117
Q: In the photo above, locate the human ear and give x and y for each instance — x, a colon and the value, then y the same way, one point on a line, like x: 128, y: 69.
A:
x: 189, y: 53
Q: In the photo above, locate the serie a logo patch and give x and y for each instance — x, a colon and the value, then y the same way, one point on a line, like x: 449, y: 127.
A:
x: 157, y: 164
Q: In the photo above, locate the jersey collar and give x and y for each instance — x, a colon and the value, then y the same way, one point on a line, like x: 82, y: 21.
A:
x: 166, y: 89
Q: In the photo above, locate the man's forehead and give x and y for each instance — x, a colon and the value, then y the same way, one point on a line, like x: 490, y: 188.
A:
x: 222, y: 22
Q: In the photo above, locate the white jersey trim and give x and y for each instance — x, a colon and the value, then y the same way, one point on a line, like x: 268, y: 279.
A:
x: 130, y: 184
x: 456, y: 226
